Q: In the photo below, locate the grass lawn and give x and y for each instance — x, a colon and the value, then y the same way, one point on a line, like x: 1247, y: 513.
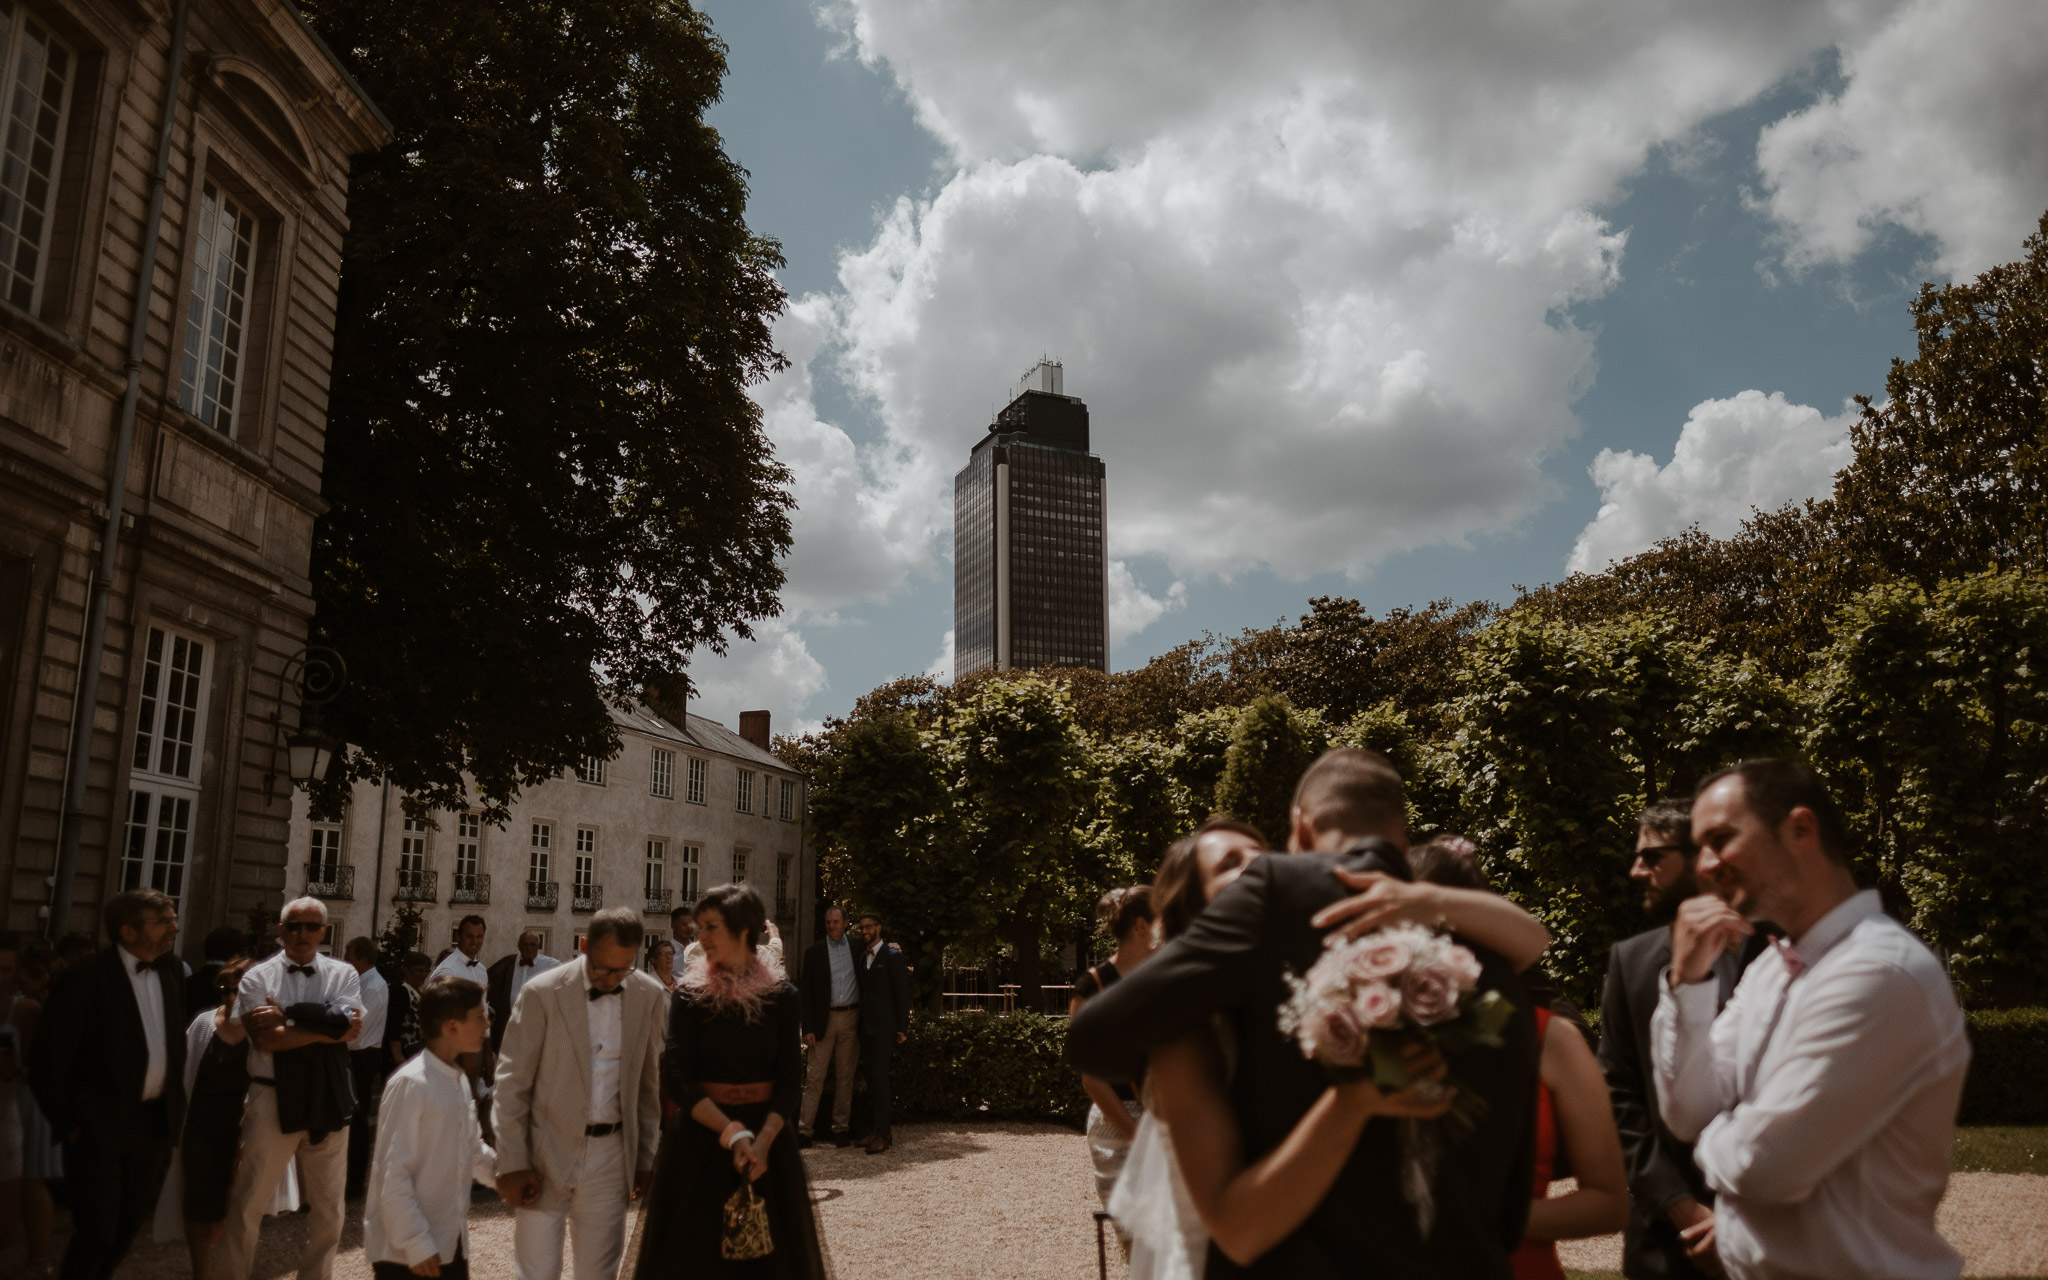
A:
x: 2002, y: 1149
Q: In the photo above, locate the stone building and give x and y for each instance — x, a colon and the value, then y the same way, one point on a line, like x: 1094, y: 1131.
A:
x: 675, y: 812
x: 184, y: 782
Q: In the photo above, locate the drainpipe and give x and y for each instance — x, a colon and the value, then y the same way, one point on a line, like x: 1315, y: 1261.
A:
x: 383, y: 822
x: 94, y: 649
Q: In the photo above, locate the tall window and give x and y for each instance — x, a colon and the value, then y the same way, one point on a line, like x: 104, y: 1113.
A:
x: 695, y: 794
x: 586, y: 860
x: 693, y: 858
x: 468, y: 844
x: 739, y: 866
x: 745, y: 801
x: 591, y: 770
x: 35, y: 81
x: 540, y: 857
x: 657, y: 868
x: 323, y: 863
x: 412, y: 847
x: 782, y: 897
x: 163, y: 769
x: 216, y: 313
x: 788, y: 800
x: 662, y: 774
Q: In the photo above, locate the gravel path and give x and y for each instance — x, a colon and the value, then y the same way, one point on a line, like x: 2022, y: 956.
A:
x: 1012, y: 1202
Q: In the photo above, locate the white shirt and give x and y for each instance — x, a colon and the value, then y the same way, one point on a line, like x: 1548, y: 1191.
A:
x: 429, y: 1149
x: 269, y: 982
x: 607, y: 1031
x: 461, y: 966
x: 1825, y: 1125
x: 149, y: 999
x: 682, y: 958
x: 845, y: 982
x: 521, y: 971
x: 376, y: 1008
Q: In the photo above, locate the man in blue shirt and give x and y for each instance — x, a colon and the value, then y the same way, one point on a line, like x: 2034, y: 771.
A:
x: 831, y: 1021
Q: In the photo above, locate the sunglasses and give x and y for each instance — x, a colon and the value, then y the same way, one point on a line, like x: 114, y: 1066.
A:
x: 304, y: 926
x: 1656, y: 853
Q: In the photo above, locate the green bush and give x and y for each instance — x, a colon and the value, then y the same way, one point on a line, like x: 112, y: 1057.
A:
x: 2007, y: 1048
x: 983, y: 1066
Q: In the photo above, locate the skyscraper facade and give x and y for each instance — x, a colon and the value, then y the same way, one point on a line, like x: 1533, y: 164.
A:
x: 1030, y: 561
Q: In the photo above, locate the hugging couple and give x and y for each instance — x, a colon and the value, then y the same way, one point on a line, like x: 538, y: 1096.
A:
x: 1250, y: 1160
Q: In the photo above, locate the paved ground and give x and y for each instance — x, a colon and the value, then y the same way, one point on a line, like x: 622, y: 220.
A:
x: 1012, y: 1202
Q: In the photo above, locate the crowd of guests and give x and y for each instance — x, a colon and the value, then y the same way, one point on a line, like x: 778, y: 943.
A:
x: 1774, y: 1092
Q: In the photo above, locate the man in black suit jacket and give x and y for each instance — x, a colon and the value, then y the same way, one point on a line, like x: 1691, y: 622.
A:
x: 1233, y: 960
x: 884, y: 1020
x: 108, y: 1067
x: 1666, y: 1193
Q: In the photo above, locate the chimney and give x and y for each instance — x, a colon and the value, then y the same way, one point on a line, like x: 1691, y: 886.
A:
x: 669, y: 697
x: 754, y: 728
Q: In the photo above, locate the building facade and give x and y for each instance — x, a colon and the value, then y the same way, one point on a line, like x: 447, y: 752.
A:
x: 185, y: 784
x: 1030, y: 554
x: 677, y: 811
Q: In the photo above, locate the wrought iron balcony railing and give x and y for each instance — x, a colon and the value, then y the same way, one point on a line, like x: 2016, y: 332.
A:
x: 542, y: 895
x: 474, y: 888
x: 785, y: 908
x: 657, y: 902
x: 330, y: 880
x: 417, y: 886
x: 587, y: 897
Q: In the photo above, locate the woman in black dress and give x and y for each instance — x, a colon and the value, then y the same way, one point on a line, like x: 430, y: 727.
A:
x: 732, y: 1067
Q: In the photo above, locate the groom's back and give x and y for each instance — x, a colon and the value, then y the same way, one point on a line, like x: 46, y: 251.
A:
x: 1365, y: 1226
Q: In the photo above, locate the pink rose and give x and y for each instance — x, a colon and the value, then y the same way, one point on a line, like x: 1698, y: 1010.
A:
x: 1430, y: 993
x: 1340, y: 1036
x: 1378, y: 956
x: 1464, y: 966
x: 1377, y: 1005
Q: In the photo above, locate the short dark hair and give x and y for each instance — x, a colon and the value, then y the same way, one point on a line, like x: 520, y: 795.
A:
x: 1177, y: 896
x: 225, y: 943
x: 74, y: 944
x: 126, y: 909
x: 1355, y: 791
x: 360, y: 946
x: 620, y: 924
x: 446, y: 999
x: 684, y: 910
x: 1773, y: 787
x: 229, y: 980
x: 742, y: 910
x: 1122, y: 910
x: 1448, y: 860
x: 467, y: 921
x: 866, y: 916
x: 841, y: 910
x: 1671, y: 819
x: 415, y: 960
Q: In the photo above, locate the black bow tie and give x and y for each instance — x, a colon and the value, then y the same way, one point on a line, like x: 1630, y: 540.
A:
x: 597, y: 992
x: 143, y: 966
x: 306, y: 969
x: 526, y: 964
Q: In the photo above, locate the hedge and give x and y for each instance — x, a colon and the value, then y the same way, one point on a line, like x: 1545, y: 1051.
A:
x: 2008, y: 1048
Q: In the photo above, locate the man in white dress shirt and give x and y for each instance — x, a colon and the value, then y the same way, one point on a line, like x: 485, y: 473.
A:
x: 366, y: 1058
x: 462, y: 962
x: 299, y: 974
x: 682, y: 926
x: 577, y: 1102
x: 1822, y: 1100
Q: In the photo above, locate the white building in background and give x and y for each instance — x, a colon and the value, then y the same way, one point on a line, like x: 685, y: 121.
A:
x: 678, y: 810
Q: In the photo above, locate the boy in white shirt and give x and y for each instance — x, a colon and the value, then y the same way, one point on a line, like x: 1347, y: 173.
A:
x: 429, y: 1145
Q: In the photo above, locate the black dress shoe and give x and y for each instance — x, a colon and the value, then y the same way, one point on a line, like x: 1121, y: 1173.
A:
x: 842, y: 1139
x: 803, y: 1141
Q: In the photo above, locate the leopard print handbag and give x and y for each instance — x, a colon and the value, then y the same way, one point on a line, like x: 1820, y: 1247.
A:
x: 746, y: 1227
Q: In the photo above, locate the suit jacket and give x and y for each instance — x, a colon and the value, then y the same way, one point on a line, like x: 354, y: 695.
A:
x: 1233, y: 961
x: 541, y: 1095
x: 498, y: 995
x: 90, y: 1056
x: 1660, y: 1167
x: 884, y: 990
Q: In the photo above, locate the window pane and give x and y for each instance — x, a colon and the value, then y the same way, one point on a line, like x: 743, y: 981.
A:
x: 215, y: 311
x: 37, y: 79
x: 152, y: 678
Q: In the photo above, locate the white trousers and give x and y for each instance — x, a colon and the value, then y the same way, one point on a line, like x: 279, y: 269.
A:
x: 323, y: 1170
x: 592, y: 1207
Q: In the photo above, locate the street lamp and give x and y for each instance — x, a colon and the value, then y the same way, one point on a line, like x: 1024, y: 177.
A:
x: 309, y: 754
x: 319, y: 673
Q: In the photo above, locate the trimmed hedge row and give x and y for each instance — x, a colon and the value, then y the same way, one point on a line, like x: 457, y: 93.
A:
x: 2008, y: 1051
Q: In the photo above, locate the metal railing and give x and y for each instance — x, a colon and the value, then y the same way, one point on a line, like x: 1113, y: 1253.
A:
x: 586, y: 897
x: 330, y: 880
x: 543, y: 896
x: 785, y: 908
x: 417, y: 886
x: 657, y: 902
x: 474, y: 888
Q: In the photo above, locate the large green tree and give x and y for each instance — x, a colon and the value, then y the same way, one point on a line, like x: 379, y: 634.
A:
x: 548, y: 485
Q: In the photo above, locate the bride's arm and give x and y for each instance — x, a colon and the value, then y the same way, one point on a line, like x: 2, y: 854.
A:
x: 1485, y: 918
x: 1249, y: 1210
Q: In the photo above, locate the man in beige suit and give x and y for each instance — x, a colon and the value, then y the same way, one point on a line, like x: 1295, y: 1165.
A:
x: 577, y: 1102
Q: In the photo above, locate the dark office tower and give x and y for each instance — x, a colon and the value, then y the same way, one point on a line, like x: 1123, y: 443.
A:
x: 1030, y: 569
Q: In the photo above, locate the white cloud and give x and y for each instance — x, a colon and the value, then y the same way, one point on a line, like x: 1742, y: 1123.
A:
x: 941, y: 666
x: 1751, y: 452
x: 774, y: 671
x: 1132, y: 608
x: 1941, y: 128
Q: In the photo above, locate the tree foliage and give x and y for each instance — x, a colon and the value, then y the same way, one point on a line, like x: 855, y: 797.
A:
x: 548, y: 485
x: 1270, y: 745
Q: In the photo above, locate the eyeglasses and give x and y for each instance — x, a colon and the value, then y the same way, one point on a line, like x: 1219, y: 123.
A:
x: 1656, y: 853
x: 304, y: 926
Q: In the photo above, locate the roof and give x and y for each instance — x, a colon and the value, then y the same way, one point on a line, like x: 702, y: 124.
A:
x: 706, y: 735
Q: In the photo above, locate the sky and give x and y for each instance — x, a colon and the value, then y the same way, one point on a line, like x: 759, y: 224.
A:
x: 1415, y: 300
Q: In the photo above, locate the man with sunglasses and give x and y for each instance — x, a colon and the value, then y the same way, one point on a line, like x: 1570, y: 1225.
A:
x: 297, y: 976
x: 1671, y: 1218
